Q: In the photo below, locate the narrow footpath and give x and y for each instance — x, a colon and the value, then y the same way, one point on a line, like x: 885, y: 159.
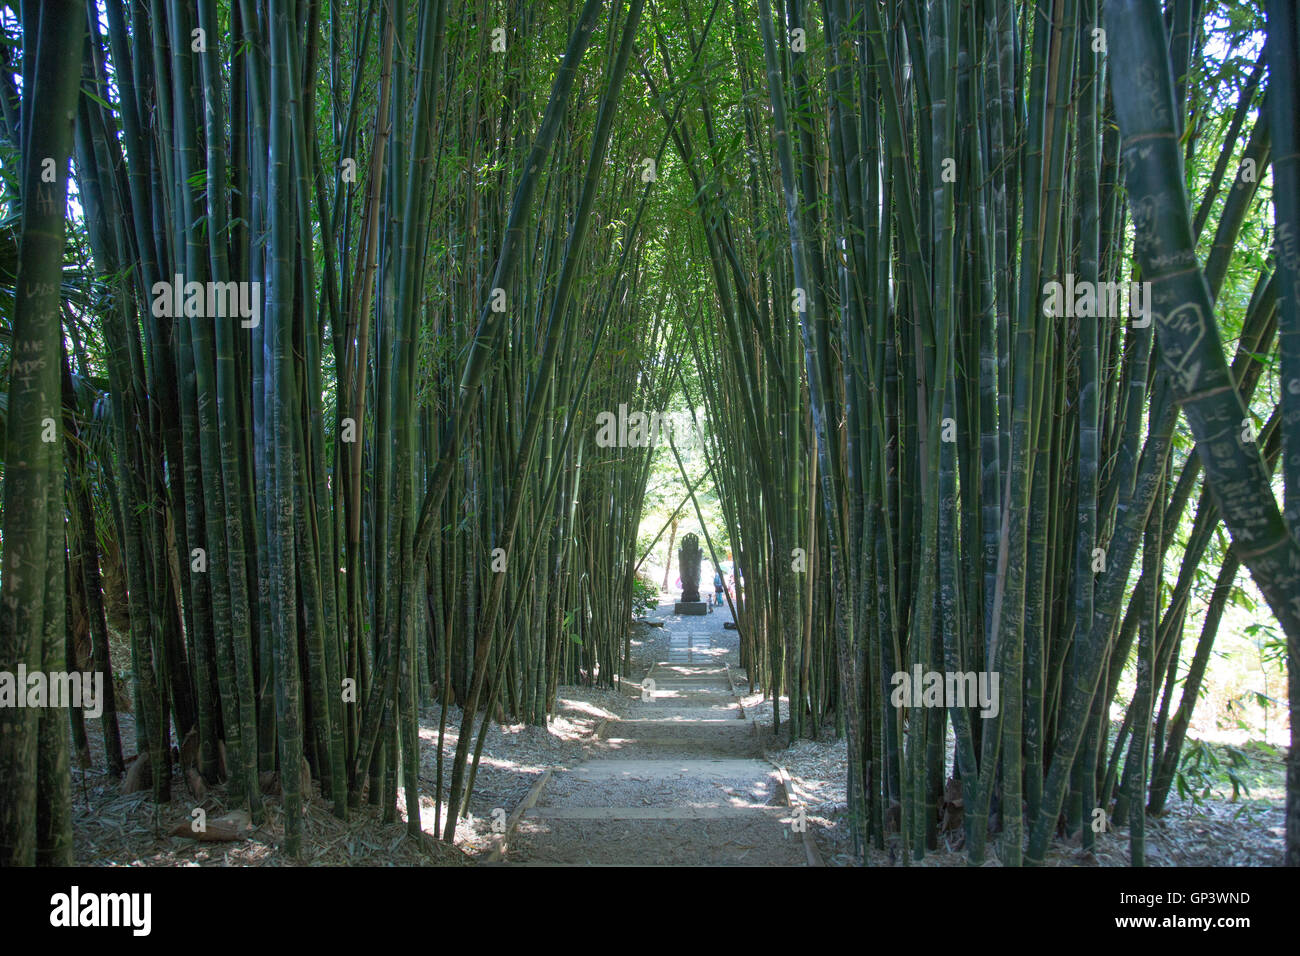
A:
x: 680, y: 781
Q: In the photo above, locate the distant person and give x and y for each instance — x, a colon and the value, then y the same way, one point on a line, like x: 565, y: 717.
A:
x: 718, y: 585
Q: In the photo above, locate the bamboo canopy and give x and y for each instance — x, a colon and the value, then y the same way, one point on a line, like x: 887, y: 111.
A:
x: 983, y: 313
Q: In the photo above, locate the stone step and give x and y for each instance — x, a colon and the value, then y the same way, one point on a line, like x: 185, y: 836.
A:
x: 654, y: 746
x: 654, y: 717
x: 782, y: 814
x: 687, y: 670
x: 721, y: 768
x: 728, y: 708
x: 663, y: 783
x: 758, y: 838
x: 684, y: 672
x: 680, y: 700
x: 717, y: 729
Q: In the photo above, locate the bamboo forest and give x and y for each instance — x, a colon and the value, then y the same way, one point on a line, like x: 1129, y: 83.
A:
x: 812, y: 433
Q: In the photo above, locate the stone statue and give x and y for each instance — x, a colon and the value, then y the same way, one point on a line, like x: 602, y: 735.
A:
x: 688, y: 562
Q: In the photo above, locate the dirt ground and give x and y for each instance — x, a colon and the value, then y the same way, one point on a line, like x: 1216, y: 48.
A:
x: 115, y: 829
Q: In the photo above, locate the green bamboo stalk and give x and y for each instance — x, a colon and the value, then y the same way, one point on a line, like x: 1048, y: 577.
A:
x: 35, y: 823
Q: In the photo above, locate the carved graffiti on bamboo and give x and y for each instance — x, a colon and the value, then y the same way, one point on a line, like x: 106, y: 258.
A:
x: 1287, y: 248
x: 1220, y: 419
x: 1239, y: 492
x: 1288, y: 251
x: 1144, y: 218
x: 1148, y: 213
x: 1150, y: 82
x: 1186, y: 328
